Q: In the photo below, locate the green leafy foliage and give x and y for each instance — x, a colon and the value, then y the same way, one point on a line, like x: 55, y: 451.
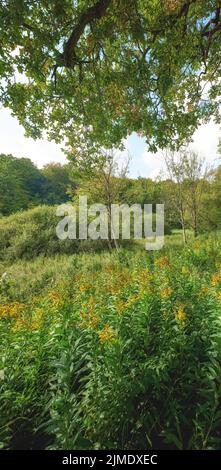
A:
x: 56, y: 183
x: 23, y: 185
x: 105, y: 68
x: 20, y: 184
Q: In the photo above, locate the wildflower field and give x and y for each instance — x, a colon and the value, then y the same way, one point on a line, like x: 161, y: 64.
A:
x: 113, y: 350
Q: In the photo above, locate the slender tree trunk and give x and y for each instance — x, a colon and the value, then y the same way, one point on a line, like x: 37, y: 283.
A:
x: 111, y: 233
x: 184, y: 234
x: 183, y: 224
x: 195, y: 221
x: 195, y: 229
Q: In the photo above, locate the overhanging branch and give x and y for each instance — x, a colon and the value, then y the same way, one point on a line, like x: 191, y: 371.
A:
x: 93, y: 13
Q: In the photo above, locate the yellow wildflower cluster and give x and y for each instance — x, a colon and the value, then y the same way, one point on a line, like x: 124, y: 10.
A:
x: 12, y: 310
x: 103, y: 282
x: 166, y: 292
x: 19, y: 324
x: 142, y: 276
x: 205, y: 290
x: 31, y: 323
x: 121, y: 306
x: 106, y: 335
x: 89, y: 318
x: 88, y: 321
x: 37, y: 319
x: 115, y: 284
x: 140, y: 279
x: 84, y: 288
x: 132, y: 299
x: 55, y: 299
x: 110, y: 268
x: 216, y: 279
x: 180, y: 314
x: 162, y: 262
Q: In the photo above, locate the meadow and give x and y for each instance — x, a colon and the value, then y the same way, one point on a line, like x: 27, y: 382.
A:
x: 112, y: 350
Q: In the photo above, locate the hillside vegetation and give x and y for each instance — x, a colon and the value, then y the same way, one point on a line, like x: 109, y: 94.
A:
x: 28, y: 234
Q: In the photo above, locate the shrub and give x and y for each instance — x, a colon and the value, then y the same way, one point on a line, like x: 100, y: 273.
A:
x: 31, y: 233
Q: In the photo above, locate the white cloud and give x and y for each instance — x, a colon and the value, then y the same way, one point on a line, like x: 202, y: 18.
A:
x: 154, y: 163
x: 205, y: 143
x: 12, y: 140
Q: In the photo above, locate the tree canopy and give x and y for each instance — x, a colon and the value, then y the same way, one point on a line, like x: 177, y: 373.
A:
x: 20, y: 184
x: 91, y: 72
x: 23, y: 185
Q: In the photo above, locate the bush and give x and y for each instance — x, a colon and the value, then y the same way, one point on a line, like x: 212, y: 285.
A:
x: 31, y: 233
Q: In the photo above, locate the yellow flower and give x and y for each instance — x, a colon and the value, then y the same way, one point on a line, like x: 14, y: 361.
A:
x: 162, y: 262
x: 88, y: 316
x: 219, y: 295
x: 19, y: 324
x: 106, y: 335
x: 94, y: 320
x: 37, y: 320
x: 121, y: 306
x: 164, y: 293
x: 142, y: 277
x: 185, y: 270
x: 12, y: 310
x: 216, y: 278
x: 82, y: 289
x: 31, y: 323
x: 90, y: 304
x: 205, y: 290
x: 180, y: 315
x: 132, y: 299
x: 55, y: 299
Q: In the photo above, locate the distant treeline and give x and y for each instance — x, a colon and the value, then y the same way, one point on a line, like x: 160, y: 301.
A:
x: 23, y: 185
x: 192, y: 199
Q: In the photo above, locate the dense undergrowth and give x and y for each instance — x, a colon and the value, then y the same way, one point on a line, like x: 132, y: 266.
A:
x: 117, y: 350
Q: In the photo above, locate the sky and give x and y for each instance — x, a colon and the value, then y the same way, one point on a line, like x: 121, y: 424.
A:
x: 143, y: 163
